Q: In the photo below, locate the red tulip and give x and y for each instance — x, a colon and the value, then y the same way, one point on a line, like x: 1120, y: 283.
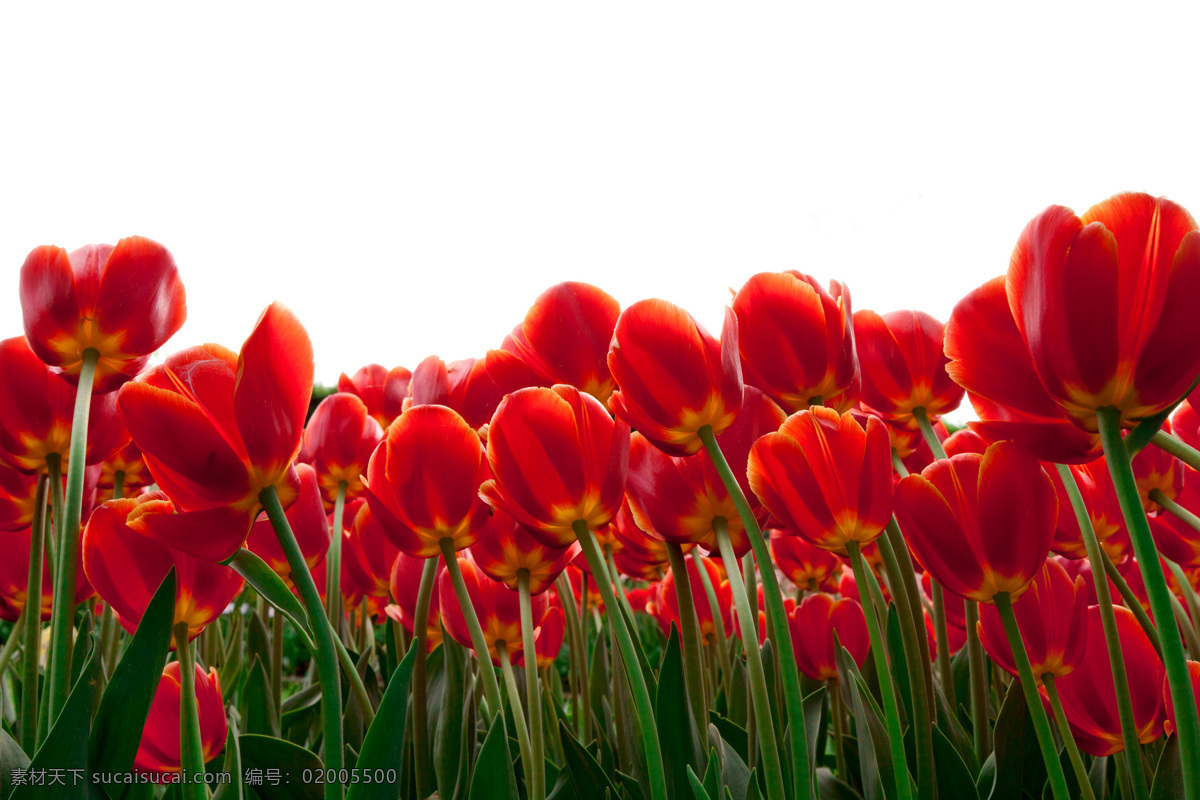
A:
x: 123, y: 301
x: 1089, y: 699
x: 903, y: 367
x: 159, y: 749
x: 1176, y: 539
x: 1185, y: 421
x: 338, y: 442
x: 825, y: 477
x: 955, y: 606
x: 309, y: 524
x: 635, y: 543
x: 557, y: 457
x: 368, y: 553
x: 506, y: 547
x: 667, y: 602
x: 548, y: 640
x: 813, y: 625
x: 404, y: 584
x: 1194, y: 674
x: 465, y: 386
x: 382, y: 390
x: 809, y: 567
x: 1104, y: 510
x: 565, y: 336
x: 673, y: 377
x: 1154, y: 468
x: 962, y: 522
x: 1052, y: 617
x: 216, y: 429
x: 18, y: 493
x: 129, y: 462
x: 797, y: 341
x: 126, y: 567
x: 576, y: 571
x: 423, y: 481
x: 14, y: 577
x: 498, y: 609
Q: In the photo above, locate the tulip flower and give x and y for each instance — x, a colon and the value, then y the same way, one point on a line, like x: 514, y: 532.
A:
x: 217, y: 429
x: 382, y: 390
x: 123, y: 301
x: 18, y: 495
x: 1194, y: 674
x: 506, y: 547
x: 1185, y: 421
x: 797, y: 341
x: 338, y: 442
x: 497, y: 608
x: 159, y: 749
x: 125, y: 468
x: 369, y: 552
x: 403, y: 583
x: 903, y: 368
x: 1156, y: 469
x: 565, y: 336
x: 309, y: 524
x: 1177, y: 539
x: 673, y: 377
x: 668, y: 601
x: 1104, y: 511
x: 1052, y: 616
x: 550, y: 633
x: 825, y: 477
x: 814, y: 622
x: 635, y: 543
x: 1088, y: 696
x: 467, y: 386
x: 810, y: 568
x: 126, y: 567
x: 14, y: 577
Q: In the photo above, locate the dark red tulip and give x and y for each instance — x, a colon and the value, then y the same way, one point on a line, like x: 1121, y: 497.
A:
x: 903, y: 367
x: 667, y: 603
x: 129, y: 462
x: 1104, y: 510
x: 548, y: 640
x: 1194, y: 674
x: 825, y: 477
x: 673, y: 378
x: 635, y: 543
x: 498, y: 609
x: 368, y: 553
x: 310, y: 525
x: 1176, y: 539
x: 18, y: 492
x: 1154, y: 468
x: 813, y: 625
x: 807, y: 566
x: 216, y: 429
x: 956, y: 607
x: 556, y: 457
x: 124, y: 301
x: 959, y: 519
x: 1052, y: 616
x: 159, y: 749
x: 126, y: 567
x: 404, y: 584
x: 465, y: 386
x: 14, y: 577
x: 797, y: 341
x: 338, y: 442
x: 506, y: 547
x: 423, y: 481
x: 1089, y: 699
x: 382, y: 390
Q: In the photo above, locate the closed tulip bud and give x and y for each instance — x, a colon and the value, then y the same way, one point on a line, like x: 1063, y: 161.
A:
x: 123, y: 301
x: 815, y: 621
x: 506, y: 547
x: 673, y: 378
x: 159, y: 749
x: 809, y: 567
x: 404, y: 584
x: 383, y: 391
x: 903, y: 367
x: 498, y: 609
x: 825, y: 477
x: 338, y: 443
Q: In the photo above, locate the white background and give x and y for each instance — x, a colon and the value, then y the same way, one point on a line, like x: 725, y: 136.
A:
x: 409, y: 177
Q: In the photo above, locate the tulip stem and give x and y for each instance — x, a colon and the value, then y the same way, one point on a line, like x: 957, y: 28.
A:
x: 1033, y: 700
x: 1131, y: 601
x: 357, y: 688
x: 491, y: 688
x: 536, y: 771
x: 577, y: 642
x: 979, y: 685
x: 191, y: 747
x: 802, y: 771
x: 324, y: 652
x: 887, y: 689
x: 518, y: 713
x: 277, y: 659
x: 1182, y: 695
x: 10, y: 645
x: 1064, y: 730
x: 1178, y: 448
x: 33, y: 621
x: 1193, y: 605
x: 834, y: 690
x: 118, y: 484
x: 893, y: 541
x: 690, y: 628
x: 721, y: 643
x: 420, y: 711
x: 761, y: 700
x: 643, y: 707
x: 333, y: 563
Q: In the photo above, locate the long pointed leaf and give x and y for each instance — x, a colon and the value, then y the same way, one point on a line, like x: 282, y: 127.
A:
x: 383, y: 746
x: 271, y: 587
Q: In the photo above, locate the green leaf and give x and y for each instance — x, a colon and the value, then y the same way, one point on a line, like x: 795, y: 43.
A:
x: 899, y: 665
x: 383, y: 746
x: 712, y: 775
x: 117, y: 729
x: 258, y: 701
x: 1098, y: 777
x: 1009, y: 736
x: 446, y: 723
x: 82, y: 635
x: 1168, y: 776
x: 272, y: 588
x: 831, y: 787
x: 590, y: 780
x: 66, y: 746
x: 698, y: 790
x: 735, y: 775
x: 11, y: 757
x: 262, y: 753
x: 871, y: 757
x: 953, y: 777
x: 234, y: 790
x: 676, y: 728
x: 731, y: 733
x: 814, y: 715
x: 494, y: 777
x: 954, y: 730
x: 752, y: 788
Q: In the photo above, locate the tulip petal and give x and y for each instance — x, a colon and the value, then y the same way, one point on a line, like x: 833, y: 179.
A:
x: 140, y: 302
x: 214, y: 534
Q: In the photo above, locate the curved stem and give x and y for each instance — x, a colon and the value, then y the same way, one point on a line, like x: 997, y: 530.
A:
x: 1182, y: 695
x: 350, y: 670
x: 690, y: 625
x: 420, y: 711
x: 191, y: 747
x: 32, y: 634
x: 746, y: 614
x: 491, y: 689
x: 1178, y: 448
x: 927, y: 431
x: 1033, y: 701
x: 887, y: 690
x: 333, y: 563
x: 802, y: 771
x: 514, y: 700
x: 1193, y: 607
x: 324, y: 651
x: 633, y: 671
x: 536, y: 771
x: 1064, y: 730
x: 979, y: 687
x: 1131, y: 601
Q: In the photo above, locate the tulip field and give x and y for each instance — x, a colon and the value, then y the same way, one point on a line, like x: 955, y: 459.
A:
x: 616, y: 557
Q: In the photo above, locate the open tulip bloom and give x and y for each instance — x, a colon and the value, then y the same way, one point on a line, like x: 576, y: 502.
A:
x: 528, y: 581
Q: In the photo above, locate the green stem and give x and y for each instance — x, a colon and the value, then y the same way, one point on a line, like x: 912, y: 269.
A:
x: 580, y: 707
x: 942, y: 636
x: 32, y: 633
x: 1131, y: 601
x: 1184, y: 699
x: 643, y: 707
x: 536, y: 771
x: 333, y: 562
x: 1112, y: 640
x: 491, y: 688
x: 979, y: 687
x: 10, y: 645
x: 1178, y: 448
x: 118, y: 484
x: 749, y: 578
x: 802, y: 771
x: 277, y: 659
x: 425, y: 785
x: 746, y: 615
x: 350, y: 670
x: 324, y: 652
x: 514, y: 700
x: 1064, y: 730
x: 893, y: 541
x: 1193, y: 603
x: 1123, y: 774
x: 1033, y: 700
x: 690, y: 629
x: 720, y: 644
x: 191, y: 746
x: 834, y: 689
x: 887, y: 690
x: 548, y: 677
